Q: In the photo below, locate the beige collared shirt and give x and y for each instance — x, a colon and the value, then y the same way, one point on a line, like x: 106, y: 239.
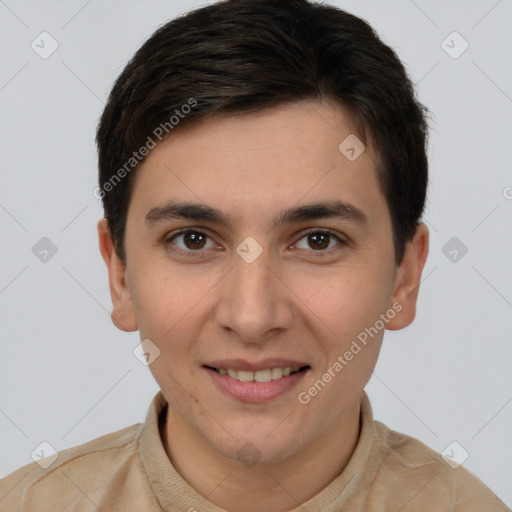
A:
x: 129, y: 471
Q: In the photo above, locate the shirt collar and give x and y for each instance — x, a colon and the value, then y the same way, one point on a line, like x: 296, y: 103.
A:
x: 175, y: 494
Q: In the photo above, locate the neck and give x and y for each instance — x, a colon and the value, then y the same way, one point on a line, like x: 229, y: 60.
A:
x: 283, y: 485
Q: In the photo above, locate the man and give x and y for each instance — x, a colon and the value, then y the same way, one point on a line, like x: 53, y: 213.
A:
x: 263, y: 171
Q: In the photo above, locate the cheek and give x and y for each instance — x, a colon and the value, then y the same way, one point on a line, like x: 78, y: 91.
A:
x: 170, y: 307
x: 158, y: 302
x: 345, y: 303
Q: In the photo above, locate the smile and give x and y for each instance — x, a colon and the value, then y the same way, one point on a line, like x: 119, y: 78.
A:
x: 258, y: 386
x: 261, y: 375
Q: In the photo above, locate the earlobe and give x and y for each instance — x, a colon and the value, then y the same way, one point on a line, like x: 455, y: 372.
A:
x: 123, y: 311
x: 408, y: 278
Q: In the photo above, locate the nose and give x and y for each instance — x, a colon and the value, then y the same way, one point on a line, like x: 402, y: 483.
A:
x: 255, y: 303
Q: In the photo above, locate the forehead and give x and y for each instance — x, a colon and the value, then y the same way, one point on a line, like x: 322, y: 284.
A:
x: 262, y: 161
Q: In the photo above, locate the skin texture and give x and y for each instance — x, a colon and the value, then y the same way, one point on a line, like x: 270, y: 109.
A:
x: 291, y: 302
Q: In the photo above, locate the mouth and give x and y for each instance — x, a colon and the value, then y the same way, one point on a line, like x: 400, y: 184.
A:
x: 266, y: 375
x: 262, y: 385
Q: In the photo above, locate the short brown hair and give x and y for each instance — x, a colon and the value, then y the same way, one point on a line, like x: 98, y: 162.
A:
x: 241, y: 56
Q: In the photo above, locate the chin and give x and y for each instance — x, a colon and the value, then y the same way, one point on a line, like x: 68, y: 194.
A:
x: 256, y: 446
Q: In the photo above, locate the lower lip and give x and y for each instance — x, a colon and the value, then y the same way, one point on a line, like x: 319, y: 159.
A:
x: 256, y: 392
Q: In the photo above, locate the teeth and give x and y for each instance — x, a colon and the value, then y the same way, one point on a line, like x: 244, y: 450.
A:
x: 263, y: 376
x: 245, y: 376
x: 276, y: 373
x: 259, y: 376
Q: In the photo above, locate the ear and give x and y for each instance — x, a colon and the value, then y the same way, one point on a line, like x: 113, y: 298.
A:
x: 123, y: 311
x: 408, y: 278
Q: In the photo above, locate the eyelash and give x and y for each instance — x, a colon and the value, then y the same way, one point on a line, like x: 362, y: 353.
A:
x: 320, y: 253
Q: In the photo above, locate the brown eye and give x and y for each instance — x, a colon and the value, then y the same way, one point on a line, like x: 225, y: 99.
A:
x: 188, y: 240
x: 318, y: 240
x: 194, y: 240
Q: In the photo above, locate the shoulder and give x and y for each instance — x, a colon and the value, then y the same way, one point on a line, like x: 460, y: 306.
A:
x: 34, y: 484
x: 418, y: 478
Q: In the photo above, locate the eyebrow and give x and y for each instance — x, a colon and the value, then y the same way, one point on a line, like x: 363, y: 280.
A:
x: 200, y: 212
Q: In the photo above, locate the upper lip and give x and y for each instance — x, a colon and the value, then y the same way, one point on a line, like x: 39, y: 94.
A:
x: 254, y: 366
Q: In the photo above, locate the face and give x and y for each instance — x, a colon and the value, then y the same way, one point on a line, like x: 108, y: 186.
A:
x: 285, y: 262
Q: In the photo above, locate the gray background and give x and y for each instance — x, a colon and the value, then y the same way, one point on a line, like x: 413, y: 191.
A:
x: 69, y: 375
